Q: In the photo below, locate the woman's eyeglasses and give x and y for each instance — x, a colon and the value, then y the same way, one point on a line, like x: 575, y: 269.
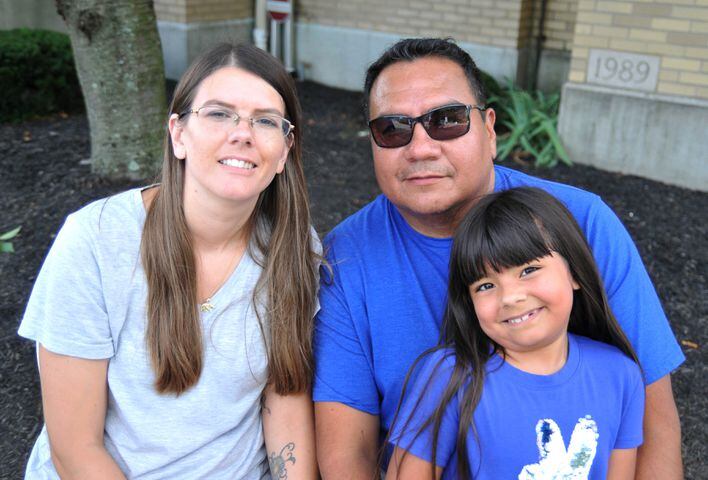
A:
x: 442, y: 123
x: 222, y: 118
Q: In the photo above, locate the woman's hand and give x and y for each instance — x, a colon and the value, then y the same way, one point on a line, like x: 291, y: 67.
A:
x: 289, y: 429
x: 74, y: 396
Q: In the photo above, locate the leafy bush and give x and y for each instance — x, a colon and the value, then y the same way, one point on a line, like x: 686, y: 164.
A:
x: 5, y: 243
x: 37, y: 74
x: 531, y: 120
x: 495, y: 97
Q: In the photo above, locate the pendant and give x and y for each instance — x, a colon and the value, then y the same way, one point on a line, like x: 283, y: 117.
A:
x: 206, y: 306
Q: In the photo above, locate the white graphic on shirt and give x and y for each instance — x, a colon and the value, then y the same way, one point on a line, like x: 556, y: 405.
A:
x: 557, y: 463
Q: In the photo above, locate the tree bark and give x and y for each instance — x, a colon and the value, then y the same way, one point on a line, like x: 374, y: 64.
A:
x: 119, y: 63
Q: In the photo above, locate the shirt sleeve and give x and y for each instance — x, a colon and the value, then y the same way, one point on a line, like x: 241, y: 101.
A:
x: 343, y: 371
x: 631, y: 294
x: 630, y: 433
x: 418, y: 405
x: 66, y: 312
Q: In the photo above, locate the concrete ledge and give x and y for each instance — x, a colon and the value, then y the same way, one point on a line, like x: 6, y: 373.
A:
x: 338, y: 57
x: 655, y: 136
x: 182, y: 42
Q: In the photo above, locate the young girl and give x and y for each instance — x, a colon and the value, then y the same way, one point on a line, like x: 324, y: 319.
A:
x: 534, y: 379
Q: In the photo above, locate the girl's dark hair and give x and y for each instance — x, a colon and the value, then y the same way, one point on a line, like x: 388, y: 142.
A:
x: 284, y: 244
x: 509, y: 229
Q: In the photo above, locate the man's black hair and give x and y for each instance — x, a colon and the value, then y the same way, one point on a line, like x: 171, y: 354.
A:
x: 410, y: 49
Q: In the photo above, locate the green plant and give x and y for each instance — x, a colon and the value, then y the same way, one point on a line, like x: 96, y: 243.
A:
x: 496, y: 96
x: 5, y: 243
x: 531, y: 120
x: 37, y: 74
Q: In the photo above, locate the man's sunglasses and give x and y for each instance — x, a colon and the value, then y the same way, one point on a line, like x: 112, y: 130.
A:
x: 442, y: 123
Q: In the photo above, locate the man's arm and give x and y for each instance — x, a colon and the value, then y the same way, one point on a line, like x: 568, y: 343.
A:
x: 289, y: 431
x: 659, y: 457
x: 347, y: 442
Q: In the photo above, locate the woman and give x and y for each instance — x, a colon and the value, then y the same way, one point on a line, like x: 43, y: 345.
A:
x: 173, y: 323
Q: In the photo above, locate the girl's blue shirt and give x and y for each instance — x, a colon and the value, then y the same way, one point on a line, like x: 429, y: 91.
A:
x: 527, y: 424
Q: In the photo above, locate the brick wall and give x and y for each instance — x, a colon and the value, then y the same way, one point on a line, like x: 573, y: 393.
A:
x: 559, y: 24
x: 674, y: 30
x: 485, y: 22
x: 188, y: 11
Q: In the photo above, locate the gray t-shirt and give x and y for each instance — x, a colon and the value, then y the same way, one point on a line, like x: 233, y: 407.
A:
x: 89, y: 302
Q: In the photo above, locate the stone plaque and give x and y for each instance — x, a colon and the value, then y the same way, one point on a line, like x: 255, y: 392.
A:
x: 631, y: 71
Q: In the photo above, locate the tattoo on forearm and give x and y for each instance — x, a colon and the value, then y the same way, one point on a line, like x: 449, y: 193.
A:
x: 278, y: 467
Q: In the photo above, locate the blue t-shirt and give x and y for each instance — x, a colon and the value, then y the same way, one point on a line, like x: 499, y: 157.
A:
x: 531, y: 426
x: 384, y: 304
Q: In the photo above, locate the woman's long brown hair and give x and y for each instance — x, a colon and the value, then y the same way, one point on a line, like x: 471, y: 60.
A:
x: 507, y: 229
x: 283, y: 239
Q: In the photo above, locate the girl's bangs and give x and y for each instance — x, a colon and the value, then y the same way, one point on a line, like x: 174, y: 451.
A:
x: 501, y: 239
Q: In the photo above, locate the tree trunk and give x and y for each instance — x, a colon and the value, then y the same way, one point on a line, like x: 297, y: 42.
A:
x: 119, y: 63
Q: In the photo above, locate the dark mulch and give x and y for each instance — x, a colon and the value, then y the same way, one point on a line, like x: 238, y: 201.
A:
x: 43, y: 177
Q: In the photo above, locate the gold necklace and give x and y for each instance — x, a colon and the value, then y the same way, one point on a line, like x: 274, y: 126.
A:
x: 207, y: 305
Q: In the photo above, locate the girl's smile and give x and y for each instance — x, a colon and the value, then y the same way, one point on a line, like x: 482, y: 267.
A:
x: 521, y: 319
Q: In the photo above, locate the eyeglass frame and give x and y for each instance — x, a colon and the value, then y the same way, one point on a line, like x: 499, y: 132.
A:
x: 419, y: 119
x: 236, y: 118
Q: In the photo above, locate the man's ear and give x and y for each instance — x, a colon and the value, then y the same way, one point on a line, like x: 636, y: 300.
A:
x: 176, y: 129
x: 490, y: 117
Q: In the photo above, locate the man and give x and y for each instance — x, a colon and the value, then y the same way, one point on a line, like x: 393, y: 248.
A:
x: 433, y: 144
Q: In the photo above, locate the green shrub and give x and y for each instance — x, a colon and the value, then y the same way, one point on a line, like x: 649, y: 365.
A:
x: 5, y: 243
x: 496, y: 96
x: 37, y: 74
x: 531, y: 120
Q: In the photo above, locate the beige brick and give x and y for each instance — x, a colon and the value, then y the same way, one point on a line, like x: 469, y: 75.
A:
x: 676, y: 89
x: 631, y: 21
x: 690, y: 13
x: 628, y: 45
x: 504, y: 23
x: 704, y: 68
x: 591, y: 41
x: 612, y: 32
x: 681, y: 64
x: 581, y: 52
x: 671, y: 24
x: 668, y: 76
x: 647, y: 35
x: 702, y: 93
x: 652, y: 9
x: 688, y: 39
x: 441, y: 7
x: 665, y: 49
x: 586, y: 5
x: 614, y: 7
x: 596, y: 18
x: 694, y: 78
x: 576, y: 76
x: 430, y: 15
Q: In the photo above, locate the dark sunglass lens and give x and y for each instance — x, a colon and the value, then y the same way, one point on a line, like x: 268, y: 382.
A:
x: 391, y: 132
x: 448, y: 122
